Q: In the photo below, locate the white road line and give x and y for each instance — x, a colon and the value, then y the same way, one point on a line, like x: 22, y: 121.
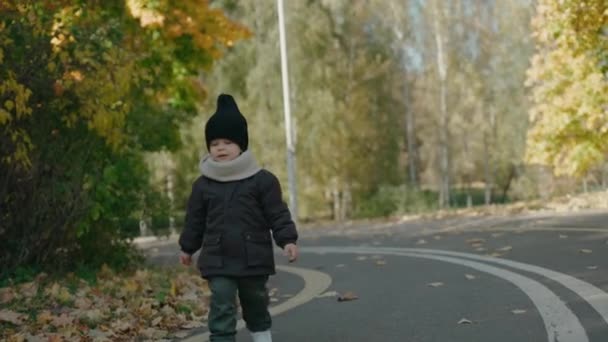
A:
x: 315, y: 283
x: 561, y: 324
x: 596, y: 297
x: 532, y: 228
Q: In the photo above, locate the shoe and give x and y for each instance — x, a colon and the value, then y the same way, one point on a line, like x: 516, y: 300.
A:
x: 261, y: 336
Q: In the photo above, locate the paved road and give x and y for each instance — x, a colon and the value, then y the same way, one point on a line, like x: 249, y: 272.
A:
x: 540, y: 277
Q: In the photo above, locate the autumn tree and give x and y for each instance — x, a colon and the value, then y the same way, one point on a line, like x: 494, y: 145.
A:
x: 85, y: 89
x: 569, y: 130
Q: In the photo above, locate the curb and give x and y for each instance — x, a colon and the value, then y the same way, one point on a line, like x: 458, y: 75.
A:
x: 147, y: 241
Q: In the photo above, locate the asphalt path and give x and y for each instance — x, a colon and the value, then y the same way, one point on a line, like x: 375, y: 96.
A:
x: 538, y: 277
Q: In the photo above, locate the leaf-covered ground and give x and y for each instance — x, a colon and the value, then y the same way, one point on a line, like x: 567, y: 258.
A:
x: 151, y: 304
x: 567, y: 203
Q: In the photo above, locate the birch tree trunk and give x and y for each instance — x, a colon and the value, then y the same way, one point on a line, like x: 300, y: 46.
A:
x: 444, y: 154
x: 412, y: 150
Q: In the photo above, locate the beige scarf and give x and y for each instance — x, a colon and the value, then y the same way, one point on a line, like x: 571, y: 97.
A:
x: 241, y: 167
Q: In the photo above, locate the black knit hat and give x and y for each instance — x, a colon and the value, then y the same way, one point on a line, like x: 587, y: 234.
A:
x: 227, y: 123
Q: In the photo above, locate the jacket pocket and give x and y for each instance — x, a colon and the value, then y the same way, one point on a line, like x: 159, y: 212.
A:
x: 259, y: 249
x: 211, y: 253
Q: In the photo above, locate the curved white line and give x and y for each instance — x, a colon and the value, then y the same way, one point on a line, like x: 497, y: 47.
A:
x: 536, y: 229
x: 315, y: 283
x: 596, y: 297
x: 561, y: 324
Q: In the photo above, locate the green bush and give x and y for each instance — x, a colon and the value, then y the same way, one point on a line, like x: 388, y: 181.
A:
x: 391, y: 200
x: 458, y: 197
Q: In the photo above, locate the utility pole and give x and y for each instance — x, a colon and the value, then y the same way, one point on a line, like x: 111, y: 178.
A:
x: 291, y: 150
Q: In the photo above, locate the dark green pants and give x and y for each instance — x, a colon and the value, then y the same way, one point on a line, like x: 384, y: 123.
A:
x: 254, y: 300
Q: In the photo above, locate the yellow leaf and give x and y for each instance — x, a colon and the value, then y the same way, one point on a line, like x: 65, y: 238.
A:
x: 44, y: 317
x: 9, y: 105
x: 64, y: 295
x: 131, y: 286
x: 173, y: 290
x: 4, y: 116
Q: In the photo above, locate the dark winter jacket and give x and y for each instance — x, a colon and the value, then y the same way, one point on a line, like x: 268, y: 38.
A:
x: 233, y: 222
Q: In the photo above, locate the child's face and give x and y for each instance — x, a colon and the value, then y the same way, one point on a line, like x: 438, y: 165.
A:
x: 223, y: 150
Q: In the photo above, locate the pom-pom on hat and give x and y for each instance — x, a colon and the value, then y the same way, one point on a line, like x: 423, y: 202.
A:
x: 227, y: 123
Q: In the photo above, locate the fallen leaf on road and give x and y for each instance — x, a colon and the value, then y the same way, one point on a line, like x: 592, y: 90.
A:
x: 505, y: 249
x: 465, y: 321
x: 562, y: 236
x: 11, y: 317
x: 518, y: 311
x: 470, y: 276
x: 347, y: 296
x: 328, y: 294
x: 586, y: 251
x: 435, y: 284
x: 477, y: 245
x: 421, y: 242
x: 381, y: 262
x: 593, y: 267
x: 361, y: 258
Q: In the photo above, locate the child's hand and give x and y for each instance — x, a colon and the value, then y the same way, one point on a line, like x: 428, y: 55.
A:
x: 185, y: 259
x: 291, y: 251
